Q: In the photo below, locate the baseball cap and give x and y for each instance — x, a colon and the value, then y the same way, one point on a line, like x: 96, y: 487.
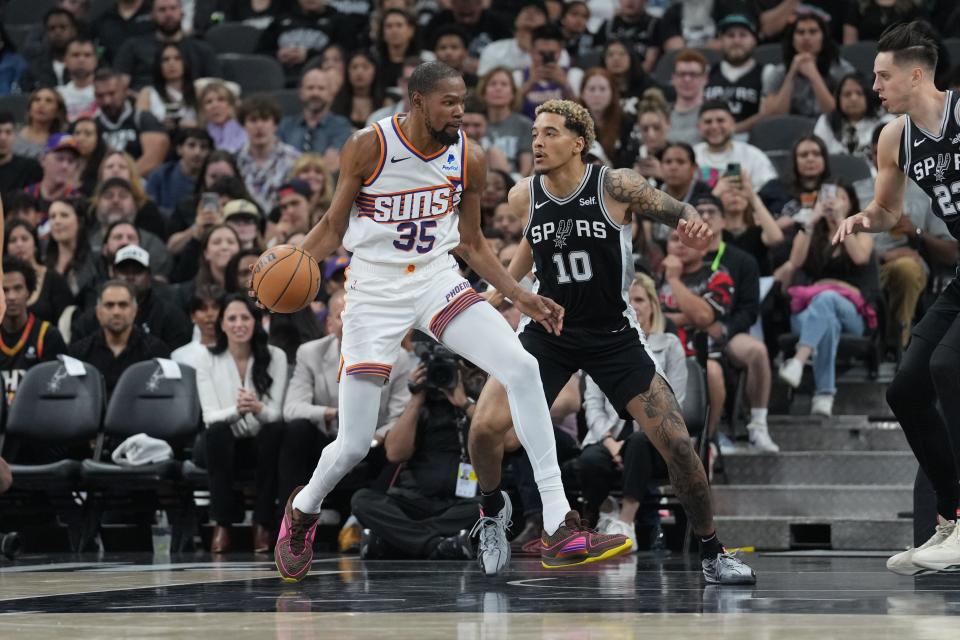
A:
x: 737, y: 20
x: 296, y: 185
x: 134, y: 253
x: 241, y: 207
x: 709, y: 198
x: 332, y: 265
x: 61, y: 142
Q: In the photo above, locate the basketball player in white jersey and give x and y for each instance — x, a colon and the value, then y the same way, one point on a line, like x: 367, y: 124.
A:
x: 924, y: 144
x: 416, y: 181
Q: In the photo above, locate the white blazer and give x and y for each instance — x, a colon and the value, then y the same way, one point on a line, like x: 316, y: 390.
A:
x: 218, y: 381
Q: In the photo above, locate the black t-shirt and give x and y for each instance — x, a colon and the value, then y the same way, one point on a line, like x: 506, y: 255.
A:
x: 311, y: 31
x: 55, y: 296
x: 94, y: 349
x: 872, y: 21
x: 432, y: 470
x: 17, y: 173
x: 745, y: 301
x: 135, y: 58
x: 645, y: 33
x: 124, y: 132
x: 749, y: 241
x: 111, y: 30
x: 838, y: 10
x: 489, y: 28
x: 743, y: 96
x: 38, y: 341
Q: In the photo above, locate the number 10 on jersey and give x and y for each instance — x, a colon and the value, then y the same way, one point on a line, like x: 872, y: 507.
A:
x: 580, y: 268
x: 416, y: 235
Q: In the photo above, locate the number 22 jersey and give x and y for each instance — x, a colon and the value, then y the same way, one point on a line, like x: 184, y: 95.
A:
x: 932, y: 160
x: 406, y: 212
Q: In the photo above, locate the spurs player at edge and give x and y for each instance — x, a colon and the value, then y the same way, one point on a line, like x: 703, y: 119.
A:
x: 924, y: 145
x: 577, y: 233
x: 416, y: 182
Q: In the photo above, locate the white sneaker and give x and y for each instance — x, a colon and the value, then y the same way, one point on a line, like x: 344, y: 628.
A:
x: 941, y: 557
x: 616, y: 526
x: 493, y: 551
x: 760, y: 439
x: 608, y: 512
x: 822, y: 405
x: 903, y: 564
x: 791, y: 372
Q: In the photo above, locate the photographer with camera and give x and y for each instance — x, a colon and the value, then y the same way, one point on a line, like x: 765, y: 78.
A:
x: 431, y: 506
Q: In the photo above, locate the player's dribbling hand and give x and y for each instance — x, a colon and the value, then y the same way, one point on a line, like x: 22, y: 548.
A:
x: 543, y: 310
x: 252, y: 293
x: 850, y: 226
x: 695, y: 233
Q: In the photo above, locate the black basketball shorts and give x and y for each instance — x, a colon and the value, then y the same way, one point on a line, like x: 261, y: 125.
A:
x: 616, y: 360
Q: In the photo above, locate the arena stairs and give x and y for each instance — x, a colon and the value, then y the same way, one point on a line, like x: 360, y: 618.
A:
x: 841, y: 483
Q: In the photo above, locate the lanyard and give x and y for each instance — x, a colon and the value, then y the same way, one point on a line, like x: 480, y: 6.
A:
x: 716, y: 261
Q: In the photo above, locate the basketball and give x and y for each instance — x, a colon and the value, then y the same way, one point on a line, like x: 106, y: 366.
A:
x: 285, y: 279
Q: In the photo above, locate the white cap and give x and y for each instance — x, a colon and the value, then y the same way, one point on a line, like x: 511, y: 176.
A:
x: 133, y: 252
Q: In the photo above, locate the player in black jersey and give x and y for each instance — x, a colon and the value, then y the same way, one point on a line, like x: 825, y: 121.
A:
x: 578, y: 235
x: 924, y: 145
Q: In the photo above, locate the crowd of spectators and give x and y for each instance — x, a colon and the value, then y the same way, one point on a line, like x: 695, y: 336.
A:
x: 140, y: 184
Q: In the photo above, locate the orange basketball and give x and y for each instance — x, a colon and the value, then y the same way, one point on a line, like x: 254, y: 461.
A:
x: 286, y: 279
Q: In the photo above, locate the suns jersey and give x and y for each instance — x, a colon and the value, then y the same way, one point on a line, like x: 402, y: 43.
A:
x: 406, y: 212
x: 932, y: 160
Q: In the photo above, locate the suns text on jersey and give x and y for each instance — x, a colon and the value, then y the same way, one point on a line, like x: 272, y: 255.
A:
x: 431, y: 202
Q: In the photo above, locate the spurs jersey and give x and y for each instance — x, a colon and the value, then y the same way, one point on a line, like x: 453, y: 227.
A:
x: 932, y: 160
x: 406, y: 212
x: 583, y: 259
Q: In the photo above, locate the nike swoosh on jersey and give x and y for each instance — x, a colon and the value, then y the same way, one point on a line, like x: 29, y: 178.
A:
x: 396, y: 159
x: 540, y: 204
x: 919, y: 142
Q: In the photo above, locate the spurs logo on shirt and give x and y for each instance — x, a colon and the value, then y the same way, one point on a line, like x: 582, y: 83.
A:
x: 406, y: 211
x: 932, y: 160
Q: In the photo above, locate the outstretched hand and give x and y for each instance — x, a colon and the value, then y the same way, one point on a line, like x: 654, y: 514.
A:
x: 850, y: 226
x: 695, y: 233
x: 543, y: 310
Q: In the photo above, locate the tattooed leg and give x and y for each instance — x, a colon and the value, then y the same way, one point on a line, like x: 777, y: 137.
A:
x: 658, y: 414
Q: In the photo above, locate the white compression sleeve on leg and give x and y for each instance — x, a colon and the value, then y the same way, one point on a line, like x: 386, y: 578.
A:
x: 482, y: 336
x: 359, y: 408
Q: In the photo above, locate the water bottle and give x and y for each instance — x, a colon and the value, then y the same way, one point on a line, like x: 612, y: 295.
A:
x: 161, y: 534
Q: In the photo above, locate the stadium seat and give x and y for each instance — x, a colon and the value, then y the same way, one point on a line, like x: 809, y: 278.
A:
x: 146, y: 402
x: 254, y: 73
x: 26, y: 11
x: 861, y: 55
x: 233, y: 37
x: 780, y: 132
x: 695, y: 401
x: 770, y: 53
x: 664, y: 69
x: 54, y: 407
x: 849, y: 168
x: 16, y: 104
x: 782, y: 162
x: 18, y: 35
x: 289, y: 101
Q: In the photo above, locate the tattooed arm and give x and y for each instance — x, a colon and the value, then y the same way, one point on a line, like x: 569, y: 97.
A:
x: 629, y: 188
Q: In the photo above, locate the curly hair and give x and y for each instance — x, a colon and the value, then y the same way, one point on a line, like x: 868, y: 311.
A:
x: 576, y: 118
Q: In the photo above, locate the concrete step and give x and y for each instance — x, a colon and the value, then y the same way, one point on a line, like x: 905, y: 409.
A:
x: 854, y: 397
x: 839, y: 433
x: 772, y: 533
x: 819, y: 468
x: 821, y: 501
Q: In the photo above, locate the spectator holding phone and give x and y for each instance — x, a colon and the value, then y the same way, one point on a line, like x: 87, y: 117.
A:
x: 748, y: 223
x: 546, y: 78
x: 842, y: 287
x: 719, y: 149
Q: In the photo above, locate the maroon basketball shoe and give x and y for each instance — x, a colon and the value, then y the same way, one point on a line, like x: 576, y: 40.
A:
x: 574, y: 544
x: 294, y: 551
